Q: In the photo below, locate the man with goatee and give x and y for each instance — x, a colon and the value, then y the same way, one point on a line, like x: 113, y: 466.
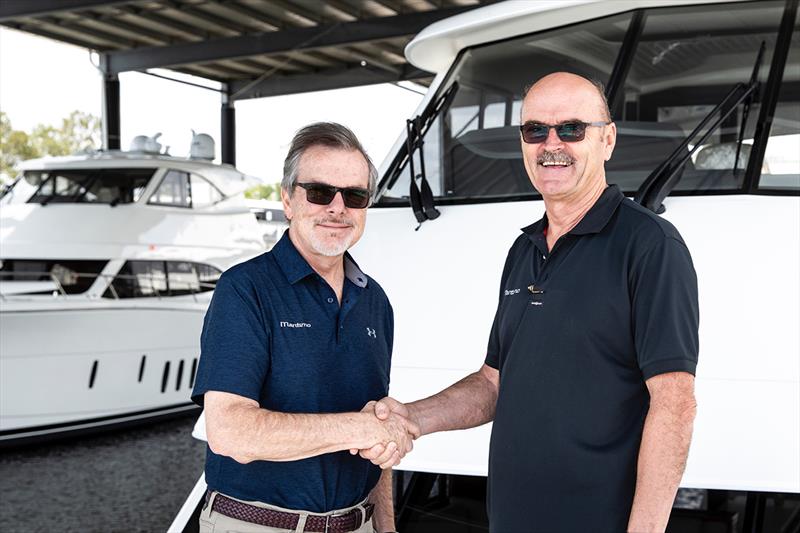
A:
x: 295, y: 344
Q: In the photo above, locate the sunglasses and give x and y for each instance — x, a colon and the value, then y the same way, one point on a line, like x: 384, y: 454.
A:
x: 321, y: 194
x: 568, y: 132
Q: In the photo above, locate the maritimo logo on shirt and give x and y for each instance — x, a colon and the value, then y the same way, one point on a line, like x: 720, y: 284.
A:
x: 295, y: 325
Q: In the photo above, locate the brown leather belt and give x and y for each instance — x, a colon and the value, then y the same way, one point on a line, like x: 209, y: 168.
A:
x: 343, y: 523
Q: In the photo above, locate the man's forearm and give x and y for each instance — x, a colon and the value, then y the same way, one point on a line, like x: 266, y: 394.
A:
x: 381, y: 497
x: 246, y: 432
x: 662, y: 459
x: 465, y: 404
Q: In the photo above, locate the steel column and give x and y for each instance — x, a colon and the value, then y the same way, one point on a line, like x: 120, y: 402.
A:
x: 228, y: 129
x: 111, y: 111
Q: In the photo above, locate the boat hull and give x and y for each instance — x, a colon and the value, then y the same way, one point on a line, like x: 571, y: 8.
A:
x: 95, y: 365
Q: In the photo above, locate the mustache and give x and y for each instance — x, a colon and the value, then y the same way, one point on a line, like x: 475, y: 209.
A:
x: 560, y: 158
x: 333, y: 220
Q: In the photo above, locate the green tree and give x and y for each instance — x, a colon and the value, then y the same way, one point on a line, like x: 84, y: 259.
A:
x: 15, y: 146
x: 79, y: 132
x: 264, y: 192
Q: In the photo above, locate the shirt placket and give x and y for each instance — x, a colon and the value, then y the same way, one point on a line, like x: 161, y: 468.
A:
x: 543, y: 265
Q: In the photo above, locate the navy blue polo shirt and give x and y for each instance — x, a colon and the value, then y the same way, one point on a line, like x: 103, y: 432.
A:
x: 578, y: 331
x: 275, y: 333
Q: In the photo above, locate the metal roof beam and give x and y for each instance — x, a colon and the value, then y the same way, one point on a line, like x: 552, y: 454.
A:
x: 295, y: 39
x: 35, y: 8
x: 320, y: 81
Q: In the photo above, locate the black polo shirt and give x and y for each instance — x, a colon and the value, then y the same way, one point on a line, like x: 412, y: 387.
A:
x: 276, y: 333
x: 578, y: 331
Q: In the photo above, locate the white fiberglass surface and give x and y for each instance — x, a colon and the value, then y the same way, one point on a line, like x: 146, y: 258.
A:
x: 46, y: 361
x: 443, y: 280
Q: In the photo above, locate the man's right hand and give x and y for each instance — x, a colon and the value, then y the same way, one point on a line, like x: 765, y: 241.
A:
x: 388, y: 454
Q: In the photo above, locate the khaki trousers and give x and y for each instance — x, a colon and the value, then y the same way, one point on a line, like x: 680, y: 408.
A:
x: 213, y: 522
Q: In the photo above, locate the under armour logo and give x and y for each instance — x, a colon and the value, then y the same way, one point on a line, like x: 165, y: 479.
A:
x: 371, y: 333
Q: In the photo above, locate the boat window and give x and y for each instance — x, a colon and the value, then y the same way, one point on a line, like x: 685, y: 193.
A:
x: 686, y: 61
x: 142, y: 279
x: 22, y: 188
x: 204, y: 193
x: 97, y: 186
x: 182, y: 277
x: 174, y: 190
x: 139, y: 279
x: 45, y: 276
x: 473, y: 150
x: 781, y: 167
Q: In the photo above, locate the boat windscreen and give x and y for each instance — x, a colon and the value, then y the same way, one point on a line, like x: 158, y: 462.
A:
x: 98, y: 186
x: 671, y: 67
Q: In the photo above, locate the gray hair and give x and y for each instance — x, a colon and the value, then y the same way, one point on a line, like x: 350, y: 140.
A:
x: 328, y: 134
x: 601, y: 91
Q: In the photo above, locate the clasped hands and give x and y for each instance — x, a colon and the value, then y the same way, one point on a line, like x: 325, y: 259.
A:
x: 396, y: 430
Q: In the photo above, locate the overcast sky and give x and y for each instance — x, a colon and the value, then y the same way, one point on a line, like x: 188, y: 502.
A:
x: 42, y: 81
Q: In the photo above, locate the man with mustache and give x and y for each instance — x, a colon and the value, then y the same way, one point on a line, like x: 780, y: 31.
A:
x: 589, y: 371
x: 295, y: 344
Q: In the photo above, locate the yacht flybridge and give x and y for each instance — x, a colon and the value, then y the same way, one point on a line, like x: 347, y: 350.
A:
x: 107, y: 264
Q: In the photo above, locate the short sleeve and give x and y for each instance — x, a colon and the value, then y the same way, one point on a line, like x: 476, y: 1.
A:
x: 665, y: 310
x: 234, y: 344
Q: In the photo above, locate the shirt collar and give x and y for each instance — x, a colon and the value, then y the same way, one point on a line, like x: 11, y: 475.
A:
x: 295, y: 267
x: 593, y: 221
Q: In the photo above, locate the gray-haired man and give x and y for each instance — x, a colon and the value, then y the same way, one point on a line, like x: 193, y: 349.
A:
x: 295, y: 343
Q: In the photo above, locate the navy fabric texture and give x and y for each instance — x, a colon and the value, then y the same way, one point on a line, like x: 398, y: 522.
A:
x: 578, y: 331
x: 275, y: 333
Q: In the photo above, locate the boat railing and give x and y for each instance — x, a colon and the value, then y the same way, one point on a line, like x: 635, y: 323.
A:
x: 144, y: 281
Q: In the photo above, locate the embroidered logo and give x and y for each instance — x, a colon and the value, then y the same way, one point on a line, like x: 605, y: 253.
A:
x: 509, y: 292
x: 295, y: 324
x: 371, y: 333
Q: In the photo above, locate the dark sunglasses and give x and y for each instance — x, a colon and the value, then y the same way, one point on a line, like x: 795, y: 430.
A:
x: 321, y: 194
x: 568, y: 132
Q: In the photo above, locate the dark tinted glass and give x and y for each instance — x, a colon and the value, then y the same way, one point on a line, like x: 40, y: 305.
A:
x: 97, y: 186
x: 138, y: 279
x: 687, y: 60
x: 142, y: 279
x: 174, y: 190
x: 68, y: 276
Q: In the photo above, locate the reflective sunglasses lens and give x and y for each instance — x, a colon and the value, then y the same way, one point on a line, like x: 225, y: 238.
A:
x: 320, y: 194
x: 355, y: 198
x: 534, y: 133
x: 571, y: 131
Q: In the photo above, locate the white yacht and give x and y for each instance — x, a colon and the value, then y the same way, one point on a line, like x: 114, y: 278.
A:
x: 108, y: 262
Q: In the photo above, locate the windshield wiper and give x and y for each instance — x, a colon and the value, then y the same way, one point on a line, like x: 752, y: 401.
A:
x: 663, y: 179
x: 420, y: 196
x: 7, y: 188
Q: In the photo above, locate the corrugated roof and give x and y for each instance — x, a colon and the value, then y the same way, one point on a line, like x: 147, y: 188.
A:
x: 257, y: 47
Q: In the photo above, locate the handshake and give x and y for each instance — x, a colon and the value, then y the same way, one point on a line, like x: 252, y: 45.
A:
x: 391, y: 431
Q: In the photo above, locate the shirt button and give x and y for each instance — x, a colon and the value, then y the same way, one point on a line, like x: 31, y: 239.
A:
x: 330, y: 300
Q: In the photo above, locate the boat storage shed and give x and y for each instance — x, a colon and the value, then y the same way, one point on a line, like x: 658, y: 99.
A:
x: 254, y: 48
